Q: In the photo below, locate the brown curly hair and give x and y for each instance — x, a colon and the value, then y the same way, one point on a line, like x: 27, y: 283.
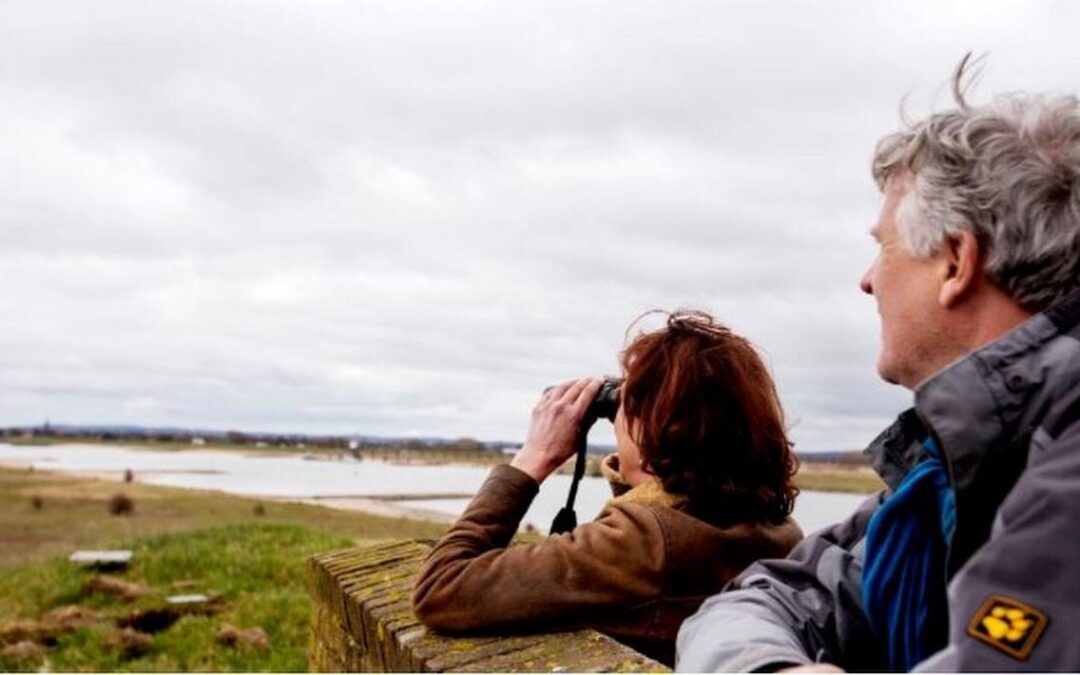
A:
x: 703, y: 408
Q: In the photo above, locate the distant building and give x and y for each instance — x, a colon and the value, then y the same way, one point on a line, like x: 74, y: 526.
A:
x: 198, y: 440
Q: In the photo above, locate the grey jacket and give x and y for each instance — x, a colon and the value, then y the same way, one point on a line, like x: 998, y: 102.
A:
x: 1007, y: 418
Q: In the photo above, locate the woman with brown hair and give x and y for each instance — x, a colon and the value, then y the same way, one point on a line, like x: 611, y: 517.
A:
x: 702, y: 483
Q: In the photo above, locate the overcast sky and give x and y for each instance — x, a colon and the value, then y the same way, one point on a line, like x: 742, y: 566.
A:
x: 408, y: 218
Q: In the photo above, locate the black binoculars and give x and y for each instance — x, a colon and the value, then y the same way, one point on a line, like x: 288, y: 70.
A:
x: 606, y: 405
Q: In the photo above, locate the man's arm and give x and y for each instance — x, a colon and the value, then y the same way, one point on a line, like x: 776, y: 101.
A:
x: 1015, y: 604
x: 799, y: 610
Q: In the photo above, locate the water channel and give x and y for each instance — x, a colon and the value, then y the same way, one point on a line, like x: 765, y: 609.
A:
x: 336, y: 482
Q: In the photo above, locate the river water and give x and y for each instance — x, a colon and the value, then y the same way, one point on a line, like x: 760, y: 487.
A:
x: 294, y: 477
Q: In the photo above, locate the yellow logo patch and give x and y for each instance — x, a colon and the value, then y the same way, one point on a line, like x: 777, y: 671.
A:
x: 1008, y: 625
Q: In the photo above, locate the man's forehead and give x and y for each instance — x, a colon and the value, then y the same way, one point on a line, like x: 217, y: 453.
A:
x: 898, y: 183
x: 896, y: 189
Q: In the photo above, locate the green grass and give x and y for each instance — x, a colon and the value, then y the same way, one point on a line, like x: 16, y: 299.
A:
x: 184, y: 541
x: 258, y: 571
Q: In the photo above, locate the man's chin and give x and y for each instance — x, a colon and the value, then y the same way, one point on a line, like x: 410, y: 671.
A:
x: 888, y: 374
x: 898, y: 379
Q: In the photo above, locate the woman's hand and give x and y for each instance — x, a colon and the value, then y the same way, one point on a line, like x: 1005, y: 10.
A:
x: 555, y: 432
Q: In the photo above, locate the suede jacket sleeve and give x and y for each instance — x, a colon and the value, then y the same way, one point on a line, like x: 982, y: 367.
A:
x: 473, y: 580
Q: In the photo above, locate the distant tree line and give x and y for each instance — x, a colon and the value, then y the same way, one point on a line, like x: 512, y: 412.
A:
x: 240, y: 438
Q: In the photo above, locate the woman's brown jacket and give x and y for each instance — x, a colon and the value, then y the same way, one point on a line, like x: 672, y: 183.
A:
x: 634, y: 573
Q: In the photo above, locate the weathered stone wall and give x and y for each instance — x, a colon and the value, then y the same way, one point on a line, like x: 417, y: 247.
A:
x: 362, y: 621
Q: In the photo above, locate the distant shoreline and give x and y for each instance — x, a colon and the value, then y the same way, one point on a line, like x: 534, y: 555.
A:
x: 820, y: 476
x: 421, y: 492
x: 388, y: 507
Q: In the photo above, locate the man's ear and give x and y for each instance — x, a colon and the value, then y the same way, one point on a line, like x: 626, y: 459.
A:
x: 963, y: 267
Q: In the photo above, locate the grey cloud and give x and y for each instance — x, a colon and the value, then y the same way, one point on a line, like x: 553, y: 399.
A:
x: 410, y: 217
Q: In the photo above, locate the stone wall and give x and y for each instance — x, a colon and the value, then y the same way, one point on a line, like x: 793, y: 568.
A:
x: 362, y: 621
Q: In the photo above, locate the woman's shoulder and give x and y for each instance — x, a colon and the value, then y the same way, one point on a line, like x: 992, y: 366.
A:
x: 648, y: 510
x: 685, y: 532
x: 691, y: 555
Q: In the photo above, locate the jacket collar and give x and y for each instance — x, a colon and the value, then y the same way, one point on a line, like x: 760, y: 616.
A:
x: 649, y: 492
x: 982, y: 410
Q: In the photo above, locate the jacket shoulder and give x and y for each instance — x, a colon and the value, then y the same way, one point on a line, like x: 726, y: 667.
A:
x: 702, y: 557
x: 1064, y: 414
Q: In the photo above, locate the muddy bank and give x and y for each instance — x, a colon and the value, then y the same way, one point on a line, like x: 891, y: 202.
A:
x: 387, y: 505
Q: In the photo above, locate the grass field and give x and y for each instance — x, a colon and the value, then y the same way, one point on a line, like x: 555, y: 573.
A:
x: 184, y: 542
x: 829, y: 477
x: 249, y: 554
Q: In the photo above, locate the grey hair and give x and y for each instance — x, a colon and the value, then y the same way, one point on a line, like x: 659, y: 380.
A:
x: 1009, y: 172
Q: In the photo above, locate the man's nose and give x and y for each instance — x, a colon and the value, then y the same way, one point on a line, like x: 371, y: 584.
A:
x: 864, y: 283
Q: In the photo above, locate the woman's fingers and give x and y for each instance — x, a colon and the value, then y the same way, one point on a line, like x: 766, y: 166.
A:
x: 557, y: 392
x: 556, y: 429
x: 565, y: 392
x: 587, y: 393
x: 573, y: 395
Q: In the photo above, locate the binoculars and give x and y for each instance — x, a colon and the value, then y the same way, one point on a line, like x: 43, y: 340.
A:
x: 606, y: 405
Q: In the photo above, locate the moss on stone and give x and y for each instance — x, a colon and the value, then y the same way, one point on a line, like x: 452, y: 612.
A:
x: 362, y: 620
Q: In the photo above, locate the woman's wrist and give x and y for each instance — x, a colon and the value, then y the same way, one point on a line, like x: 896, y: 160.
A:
x: 535, y: 465
x: 555, y: 430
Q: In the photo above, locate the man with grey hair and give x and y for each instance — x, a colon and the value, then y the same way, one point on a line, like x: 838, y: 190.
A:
x: 966, y: 560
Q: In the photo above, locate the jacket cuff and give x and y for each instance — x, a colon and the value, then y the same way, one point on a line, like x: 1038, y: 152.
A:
x: 507, y: 492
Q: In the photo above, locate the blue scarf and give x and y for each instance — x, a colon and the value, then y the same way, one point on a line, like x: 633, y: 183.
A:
x: 903, y: 579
